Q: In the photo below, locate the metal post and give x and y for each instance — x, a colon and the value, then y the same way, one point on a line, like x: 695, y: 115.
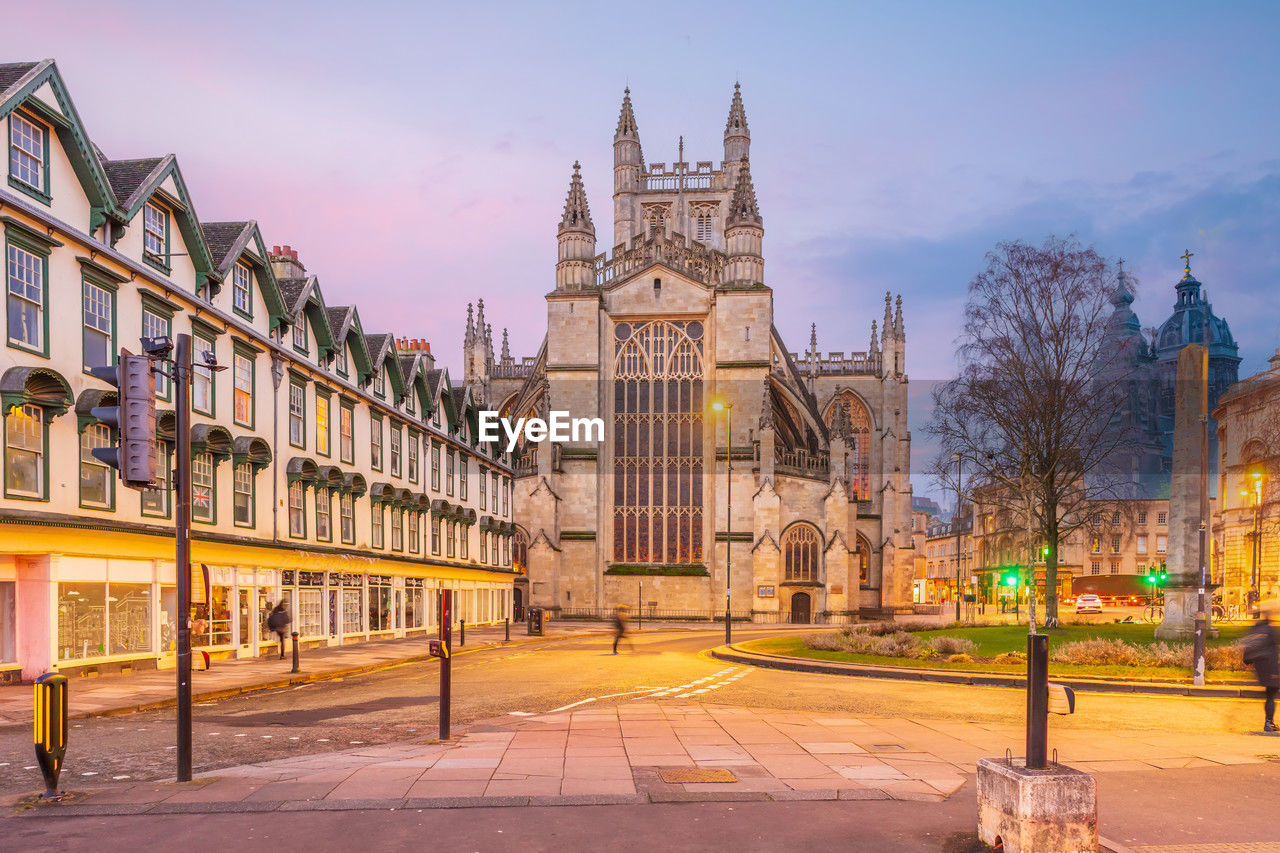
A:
x: 506, y: 630
x: 639, y: 605
x: 1202, y: 624
x: 1255, y: 551
x: 446, y: 662
x: 959, y: 462
x: 728, y: 521
x: 462, y: 632
x: 1037, y: 701
x: 182, y: 535
x: 296, y: 667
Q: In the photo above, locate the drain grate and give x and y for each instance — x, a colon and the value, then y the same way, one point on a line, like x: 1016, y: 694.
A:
x: 887, y: 747
x: 687, y: 775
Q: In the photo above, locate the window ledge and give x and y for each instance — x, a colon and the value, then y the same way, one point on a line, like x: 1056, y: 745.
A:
x: 26, y: 189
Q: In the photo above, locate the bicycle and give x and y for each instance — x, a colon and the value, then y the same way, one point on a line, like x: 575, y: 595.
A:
x: 1153, y: 613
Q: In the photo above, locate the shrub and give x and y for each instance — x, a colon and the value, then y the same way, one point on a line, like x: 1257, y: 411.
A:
x: 952, y: 645
x: 1099, y: 652
x: 896, y: 645
x: 1010, y: 657
x: 960, y: 659
x: 1225, y: 658
x: 826, y: 642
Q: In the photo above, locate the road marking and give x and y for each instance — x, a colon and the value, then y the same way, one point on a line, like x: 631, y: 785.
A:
x: 571, y: 705
x: 118, y: 778
x: 520, y: 713
x: 295, y: 737
x: 90, y: 773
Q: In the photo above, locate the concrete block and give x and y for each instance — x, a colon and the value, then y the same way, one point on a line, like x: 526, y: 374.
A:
x: 1034, y: 811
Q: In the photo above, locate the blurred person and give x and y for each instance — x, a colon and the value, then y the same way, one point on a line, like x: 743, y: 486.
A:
x: 1262, y: 652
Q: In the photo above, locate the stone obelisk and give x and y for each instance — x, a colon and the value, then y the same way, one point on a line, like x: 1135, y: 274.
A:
x: 1191, y: 409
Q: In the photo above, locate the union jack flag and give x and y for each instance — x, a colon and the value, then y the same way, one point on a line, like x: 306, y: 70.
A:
x: 202, y: 497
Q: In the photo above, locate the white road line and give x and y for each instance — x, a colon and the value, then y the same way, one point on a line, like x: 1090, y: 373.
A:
x: 520, y: 713
x: 572, y: 705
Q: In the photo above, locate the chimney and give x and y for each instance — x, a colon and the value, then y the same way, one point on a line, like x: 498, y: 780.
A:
x: 285, y: 263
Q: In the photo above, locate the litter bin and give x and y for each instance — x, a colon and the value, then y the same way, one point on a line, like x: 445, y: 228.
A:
x: 537, y: 617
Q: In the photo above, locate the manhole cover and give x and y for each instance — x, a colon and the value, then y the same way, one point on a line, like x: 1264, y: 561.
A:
x: 687, y: 775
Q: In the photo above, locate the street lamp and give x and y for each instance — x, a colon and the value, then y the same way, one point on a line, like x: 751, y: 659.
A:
x: 1255, y: 551
x: 721, y: 406
x: 959, y: 462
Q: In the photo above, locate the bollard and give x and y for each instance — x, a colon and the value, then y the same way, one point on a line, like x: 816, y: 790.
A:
x: 1037, y: 701
x: 446, y: 662
x: 51, y: 729
x: 296, y: 667
x: 506, y: 630
x: 462, y: 632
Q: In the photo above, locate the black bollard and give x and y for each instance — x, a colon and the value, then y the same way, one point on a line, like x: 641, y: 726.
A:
x: 506, y: 630
x: 296, y: 667
x: 446, y: 662
x: 51, y: 730
x: 1037, y: 701
x: 462, y: 632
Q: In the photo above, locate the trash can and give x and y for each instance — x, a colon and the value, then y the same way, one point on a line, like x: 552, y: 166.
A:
x: 536, y: 621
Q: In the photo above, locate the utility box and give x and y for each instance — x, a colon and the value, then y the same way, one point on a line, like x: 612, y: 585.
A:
x: 537, y: 621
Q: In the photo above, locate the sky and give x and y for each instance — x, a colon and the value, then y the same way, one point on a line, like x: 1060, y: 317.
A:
x: 417, y: 155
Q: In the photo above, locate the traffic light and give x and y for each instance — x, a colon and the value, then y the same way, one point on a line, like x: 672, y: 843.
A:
x: 133, y: 419
x: 1010, y: 578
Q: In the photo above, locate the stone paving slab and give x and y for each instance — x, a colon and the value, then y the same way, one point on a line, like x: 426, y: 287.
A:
x: 531, y: 760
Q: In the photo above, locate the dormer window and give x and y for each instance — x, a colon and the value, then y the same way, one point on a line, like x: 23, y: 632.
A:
x: 300, y: 341
x: 28, y: 155
x: 155, y: 234
x: 242, y: 290
x: 341, y: 360
x: 380, y: 382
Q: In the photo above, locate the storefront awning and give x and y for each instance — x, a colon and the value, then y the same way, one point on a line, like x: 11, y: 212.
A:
x: 251, y: 449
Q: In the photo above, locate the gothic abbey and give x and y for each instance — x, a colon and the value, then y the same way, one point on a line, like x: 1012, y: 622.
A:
x: 678, y: 316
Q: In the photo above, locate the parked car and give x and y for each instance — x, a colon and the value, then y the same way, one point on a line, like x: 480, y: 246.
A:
x: 1088, y: 604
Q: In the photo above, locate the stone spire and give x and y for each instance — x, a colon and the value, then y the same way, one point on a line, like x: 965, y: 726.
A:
x: 575, y: 269
x: 506, y: 347
x: 813, y: 338
x: 470, y: 333
x: 888, y: 317
x: 577, y: 215
x: 898, y: 328
x: 488, y: 343
x: 875, y: 341
x: 737, y: 136
x: 743, y: 209
x: 626, y: 120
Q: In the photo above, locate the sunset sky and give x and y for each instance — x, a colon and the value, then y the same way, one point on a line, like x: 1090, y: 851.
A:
x: 417, y: 154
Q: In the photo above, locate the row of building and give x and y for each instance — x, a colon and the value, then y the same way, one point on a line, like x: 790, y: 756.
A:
x: 333, y: 468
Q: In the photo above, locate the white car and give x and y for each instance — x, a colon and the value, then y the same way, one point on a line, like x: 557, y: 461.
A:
x: 1088, y: 604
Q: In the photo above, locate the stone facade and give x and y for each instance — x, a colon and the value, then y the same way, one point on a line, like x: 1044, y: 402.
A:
x: 1247, y: 530
x: 680, y: 313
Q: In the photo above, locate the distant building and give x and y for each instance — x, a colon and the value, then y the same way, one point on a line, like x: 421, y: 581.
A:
x: 1247, y: 530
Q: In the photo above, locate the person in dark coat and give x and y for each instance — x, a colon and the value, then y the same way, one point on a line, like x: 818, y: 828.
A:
x: 619, y: 626
x: 278, y: 621
x: 1262, y: 652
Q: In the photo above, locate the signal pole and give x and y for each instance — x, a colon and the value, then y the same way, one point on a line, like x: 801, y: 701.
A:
x: 182, y: 530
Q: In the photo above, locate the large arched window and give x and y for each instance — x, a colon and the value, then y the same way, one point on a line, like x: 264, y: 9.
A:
x: 657, y: 449
x: 520, y: 554
x: 859, y: 466
x: 800, y: 550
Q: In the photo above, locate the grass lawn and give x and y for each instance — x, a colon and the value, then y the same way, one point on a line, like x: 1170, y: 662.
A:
x: 997, y: 639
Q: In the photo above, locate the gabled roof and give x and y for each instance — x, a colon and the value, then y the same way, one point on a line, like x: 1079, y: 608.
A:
x: 128, y: 177
x: 382, y: 350
x: 19, y: 81
x: 294, y: 291
x: 303, y: 296
x: 230, y: 242
x: 345, y: 322
x: 136, y: 181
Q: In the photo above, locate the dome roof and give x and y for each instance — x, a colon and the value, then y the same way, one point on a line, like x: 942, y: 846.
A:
x: 1187, y: 324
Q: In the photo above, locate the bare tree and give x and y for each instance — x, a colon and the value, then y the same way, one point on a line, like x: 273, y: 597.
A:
x: 1036, y: 414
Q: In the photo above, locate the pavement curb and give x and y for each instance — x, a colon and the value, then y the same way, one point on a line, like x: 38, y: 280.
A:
x: 733, y: 654
x: 291, y: 680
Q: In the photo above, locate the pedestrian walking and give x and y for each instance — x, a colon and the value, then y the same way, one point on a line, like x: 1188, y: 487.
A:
x: 278, y: 621
x: 619, y: 626
x: 1262, y: 652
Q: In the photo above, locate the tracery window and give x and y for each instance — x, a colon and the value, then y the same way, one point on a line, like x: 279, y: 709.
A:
x: 657, y: 426
x: 859, y: 470
x: 655, y: 219
x: 800, y: 550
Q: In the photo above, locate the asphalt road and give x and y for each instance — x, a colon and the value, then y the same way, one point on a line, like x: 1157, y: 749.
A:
x: 400, y: 704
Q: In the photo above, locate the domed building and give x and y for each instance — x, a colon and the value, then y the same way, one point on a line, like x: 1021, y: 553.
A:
x: 1193, y: 322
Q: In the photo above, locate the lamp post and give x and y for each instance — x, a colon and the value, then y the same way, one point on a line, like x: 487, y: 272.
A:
x: 1256, y: 550
x: 727, y: 408
x: 959, y: 499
